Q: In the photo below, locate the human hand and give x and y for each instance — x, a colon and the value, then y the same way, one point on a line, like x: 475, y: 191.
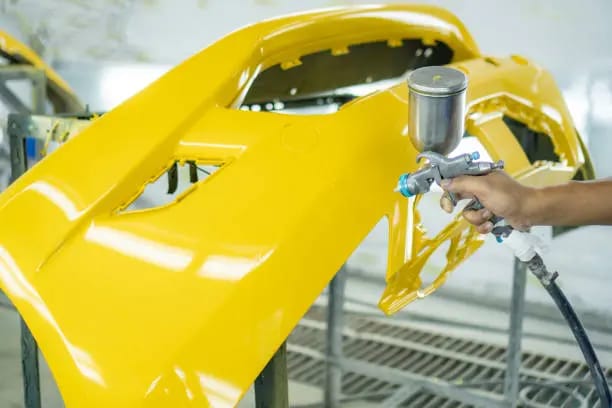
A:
x: 499, y: 193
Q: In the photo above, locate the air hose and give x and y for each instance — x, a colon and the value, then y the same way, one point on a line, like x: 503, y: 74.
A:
x: 547, y: 279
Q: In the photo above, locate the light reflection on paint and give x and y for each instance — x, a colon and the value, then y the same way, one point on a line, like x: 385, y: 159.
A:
x: 136, y: 246
x: 410, y: 204
x: 14, y: 280
x: 153, y: 385
x: 57, y: 197
x: 181, y: 375
x: 20, y: 288
x: 522, y: 101
x: 417, y: 19
x: 368, y: 88
x: 244, y: 77
x: 86, y: 364
x: 535, y: 84
x: 396, y: 215
x: 229, y: 268
x: 209, y: 145
x: 220, y: 394
x: 552, y: 113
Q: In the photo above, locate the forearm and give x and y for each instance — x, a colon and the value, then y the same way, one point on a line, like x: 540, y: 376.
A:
x: 574, y: 203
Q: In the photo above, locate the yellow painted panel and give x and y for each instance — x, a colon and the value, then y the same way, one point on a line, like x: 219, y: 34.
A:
x: 182, y: 306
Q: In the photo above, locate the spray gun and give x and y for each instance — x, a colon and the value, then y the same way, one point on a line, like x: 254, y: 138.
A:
x: 436, y: 117
x: 439, y: 168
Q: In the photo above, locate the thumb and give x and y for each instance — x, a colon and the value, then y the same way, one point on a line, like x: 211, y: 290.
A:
x: 465, y: 186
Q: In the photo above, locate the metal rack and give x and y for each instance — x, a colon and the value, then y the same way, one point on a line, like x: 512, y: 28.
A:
x: 336, y: 362
x: 23, y: 72
x: 29, y: 348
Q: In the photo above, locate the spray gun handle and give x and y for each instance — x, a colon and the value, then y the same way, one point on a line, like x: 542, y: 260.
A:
x: 468, y: 166
x: 500, y: 229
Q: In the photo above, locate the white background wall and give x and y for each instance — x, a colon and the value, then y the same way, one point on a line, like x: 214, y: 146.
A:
x: 562, y: 34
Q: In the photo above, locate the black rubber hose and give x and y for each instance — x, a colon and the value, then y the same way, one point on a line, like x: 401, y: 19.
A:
x: 537, y: 267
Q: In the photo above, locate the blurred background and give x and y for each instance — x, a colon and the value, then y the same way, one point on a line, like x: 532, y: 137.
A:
x: 109, y: 50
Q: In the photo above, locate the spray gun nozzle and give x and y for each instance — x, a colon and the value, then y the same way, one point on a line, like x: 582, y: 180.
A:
x: 402, y: 186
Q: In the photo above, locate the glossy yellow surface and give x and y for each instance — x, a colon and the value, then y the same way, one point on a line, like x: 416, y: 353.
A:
x: 183, y: 305
x: 60, y: 93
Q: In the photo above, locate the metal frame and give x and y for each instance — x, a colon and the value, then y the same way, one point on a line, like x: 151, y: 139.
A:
x: 335, y: 362
x: 30, y: 368
x: 333, y: 372
x: 272, y: 384
x: 517, y: 312
x: 24, y: 72
x: 29, y: 348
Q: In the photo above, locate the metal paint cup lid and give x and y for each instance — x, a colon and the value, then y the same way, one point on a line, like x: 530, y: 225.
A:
x: 437, y: 81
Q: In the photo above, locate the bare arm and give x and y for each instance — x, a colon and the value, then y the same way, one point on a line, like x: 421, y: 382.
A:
x: 573, y: 203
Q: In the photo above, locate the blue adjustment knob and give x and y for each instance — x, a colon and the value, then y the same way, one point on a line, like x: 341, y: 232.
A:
x: 402, y: 185
x: 475, y: 156
x: 499, y: 239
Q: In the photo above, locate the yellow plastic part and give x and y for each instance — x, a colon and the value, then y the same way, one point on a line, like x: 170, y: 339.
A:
x: 183, y: 305
x: 61, y: 95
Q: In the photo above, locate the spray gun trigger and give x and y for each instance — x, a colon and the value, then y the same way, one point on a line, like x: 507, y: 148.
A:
x: 452, y: 197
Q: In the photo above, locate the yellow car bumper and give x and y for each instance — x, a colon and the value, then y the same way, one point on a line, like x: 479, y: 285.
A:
x: 183, y: 305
